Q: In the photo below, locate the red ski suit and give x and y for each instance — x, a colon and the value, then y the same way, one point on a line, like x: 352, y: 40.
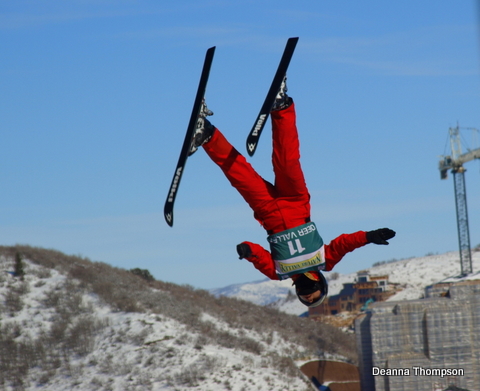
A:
x: 283, y: 205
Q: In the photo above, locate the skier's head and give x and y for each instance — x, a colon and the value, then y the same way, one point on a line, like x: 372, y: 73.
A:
x: 310, y: 290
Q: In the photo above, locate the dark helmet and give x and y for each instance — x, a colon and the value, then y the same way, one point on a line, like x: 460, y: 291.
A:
x: 305, y: 286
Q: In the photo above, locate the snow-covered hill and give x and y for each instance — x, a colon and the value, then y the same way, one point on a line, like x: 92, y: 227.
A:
x: 261, y: 292
x: 87, y: 326
x: 414, y: 274
x: 74, y: 324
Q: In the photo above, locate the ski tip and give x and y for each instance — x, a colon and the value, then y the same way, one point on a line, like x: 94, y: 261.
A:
x: 168, y: 217
x: 169, y: 221
x: 251, y: 148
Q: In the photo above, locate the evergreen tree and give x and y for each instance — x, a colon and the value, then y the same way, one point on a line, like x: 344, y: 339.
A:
x: 19, y: 272
x: 143, y: 273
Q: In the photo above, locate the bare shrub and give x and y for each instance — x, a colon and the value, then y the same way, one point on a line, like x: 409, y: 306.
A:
x: 81, y: 336
x: 117, y: 298
x: 210, y: 363
x: 16, y: 358
x: 13, y: 302
x: 3, y: 276
x: 200, y: 342
x: 106, y: 364
x: 58, y: 329
x: 46, y: 376
x: 41, y: 272
x: 72, y: 334
x: 125, y: 291
x: 189, y: 376
x: 284, y: 365
x: 192, y: 375
x: 13, y: 297
x: 39, y: 284
x: 66, y: 299
x: 23, y: 288
x: 96, y: 383
x: 122, y: 368
x: 52, y: 298
x: 139, y: 338
x: 72, y: 331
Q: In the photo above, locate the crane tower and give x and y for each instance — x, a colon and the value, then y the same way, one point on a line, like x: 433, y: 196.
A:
x: 455, y: 162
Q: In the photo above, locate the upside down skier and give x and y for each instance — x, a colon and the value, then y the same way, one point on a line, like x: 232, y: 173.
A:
x: 297, y: 251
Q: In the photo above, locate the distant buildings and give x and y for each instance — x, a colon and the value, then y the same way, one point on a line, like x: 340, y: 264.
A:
x: 425, y: 344
x: 355, y: 295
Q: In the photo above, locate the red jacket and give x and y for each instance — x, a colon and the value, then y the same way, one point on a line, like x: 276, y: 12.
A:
x: 334, y: 252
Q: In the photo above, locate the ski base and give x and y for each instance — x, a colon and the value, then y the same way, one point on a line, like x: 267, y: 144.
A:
x: 182, y: 160
x: 254, y: 135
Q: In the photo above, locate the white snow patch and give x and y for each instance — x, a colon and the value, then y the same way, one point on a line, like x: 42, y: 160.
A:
x: 138, y: 351
x: 413, y: 275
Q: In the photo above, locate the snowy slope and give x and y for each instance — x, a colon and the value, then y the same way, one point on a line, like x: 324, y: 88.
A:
x: 414, y: 274
x: 107, y: 349
x: 259, y: 292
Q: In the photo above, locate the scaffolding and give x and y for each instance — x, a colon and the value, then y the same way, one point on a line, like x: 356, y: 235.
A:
x: 413, y: 341
x: 462, y: 221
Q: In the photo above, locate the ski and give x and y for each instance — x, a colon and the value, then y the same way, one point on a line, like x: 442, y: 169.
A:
x: 182, y: 160
x: 254, y: 135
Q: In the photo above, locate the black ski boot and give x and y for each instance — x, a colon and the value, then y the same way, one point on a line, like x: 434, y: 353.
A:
x: 204, y: 131
x: 282, y: 100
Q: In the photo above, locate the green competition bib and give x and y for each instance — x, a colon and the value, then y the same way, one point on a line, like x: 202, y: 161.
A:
x: 297, y: 250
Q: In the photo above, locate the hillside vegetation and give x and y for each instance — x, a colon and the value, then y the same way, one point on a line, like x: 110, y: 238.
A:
x: 61, y: 320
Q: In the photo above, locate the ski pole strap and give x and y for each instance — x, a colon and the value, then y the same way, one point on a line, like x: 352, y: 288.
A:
x: 297, y: 250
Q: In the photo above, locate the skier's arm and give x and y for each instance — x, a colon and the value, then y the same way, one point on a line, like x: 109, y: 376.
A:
x: 261, y: 258
x: 338, y: 247
x: 346, y: 243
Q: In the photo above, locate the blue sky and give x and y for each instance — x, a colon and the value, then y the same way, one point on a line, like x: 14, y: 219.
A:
x: 96, y: 97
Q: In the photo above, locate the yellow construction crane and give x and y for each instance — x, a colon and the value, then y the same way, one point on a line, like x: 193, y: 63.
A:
x: 455, y: 163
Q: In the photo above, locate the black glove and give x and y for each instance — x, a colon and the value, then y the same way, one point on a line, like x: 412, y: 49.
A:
x: 243, y: 250
x: 380, y: 236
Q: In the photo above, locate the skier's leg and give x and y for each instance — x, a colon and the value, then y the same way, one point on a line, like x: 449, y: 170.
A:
x: 293, y: 197
x: 258, y: 193
x: 289, y: 178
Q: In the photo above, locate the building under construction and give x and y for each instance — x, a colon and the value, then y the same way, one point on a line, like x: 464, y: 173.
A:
x: 426, y: 344
x: 355, y: 295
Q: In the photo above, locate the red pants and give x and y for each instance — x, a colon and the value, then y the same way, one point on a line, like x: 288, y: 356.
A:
x: 278, y: 207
